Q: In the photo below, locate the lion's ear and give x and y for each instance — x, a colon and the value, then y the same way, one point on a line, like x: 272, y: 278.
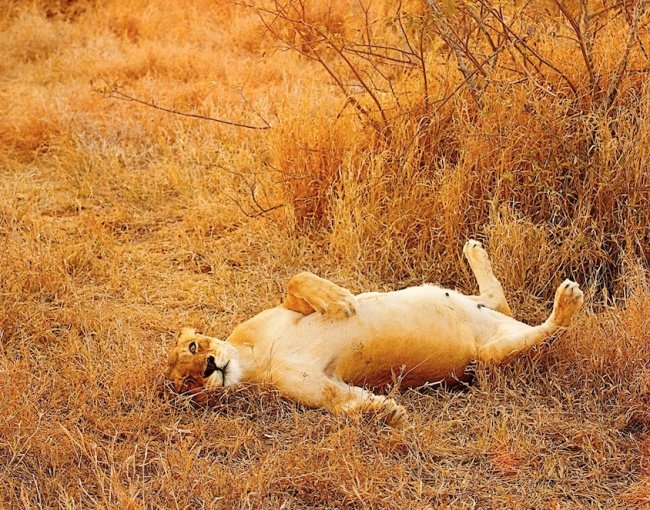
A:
x: 185, y: 334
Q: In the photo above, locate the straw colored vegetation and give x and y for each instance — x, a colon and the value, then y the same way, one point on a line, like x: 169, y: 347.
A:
x: 396, y: 135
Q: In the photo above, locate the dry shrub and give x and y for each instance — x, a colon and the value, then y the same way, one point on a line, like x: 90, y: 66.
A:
x: 309, y: 167
x: 496, y: 155
x: 32, y: 37
x: 303, y: 22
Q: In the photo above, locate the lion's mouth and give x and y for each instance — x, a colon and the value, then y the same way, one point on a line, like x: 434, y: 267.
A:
x: 211, y: 367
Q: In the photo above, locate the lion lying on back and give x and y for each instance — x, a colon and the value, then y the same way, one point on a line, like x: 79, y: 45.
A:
x: 326, y: 359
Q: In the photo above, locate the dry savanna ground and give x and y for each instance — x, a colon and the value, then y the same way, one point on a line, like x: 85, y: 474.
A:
x: 397, y: 132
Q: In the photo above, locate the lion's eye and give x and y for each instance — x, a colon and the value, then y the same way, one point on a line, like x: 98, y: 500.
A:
x: 193, y: 347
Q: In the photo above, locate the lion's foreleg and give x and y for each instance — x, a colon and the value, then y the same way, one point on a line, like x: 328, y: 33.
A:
x: 314, y: 389
x: 307, y: 292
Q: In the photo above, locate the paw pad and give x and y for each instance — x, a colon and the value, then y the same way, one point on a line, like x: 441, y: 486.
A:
x: 568, y: 300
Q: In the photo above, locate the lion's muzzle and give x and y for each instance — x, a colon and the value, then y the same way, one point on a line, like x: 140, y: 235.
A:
x: 211, y: 367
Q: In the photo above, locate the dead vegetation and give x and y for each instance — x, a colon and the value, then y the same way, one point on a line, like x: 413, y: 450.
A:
x: 526, y: 127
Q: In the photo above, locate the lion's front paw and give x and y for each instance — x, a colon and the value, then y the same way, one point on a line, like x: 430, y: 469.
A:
x: 395, y: 415
x: 339, y: 304
x: 568, y: 300
x: 344, y: 307
x: 389, y: 411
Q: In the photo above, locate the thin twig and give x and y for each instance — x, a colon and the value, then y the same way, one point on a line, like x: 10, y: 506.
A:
x: 583, y: 36
x: 518, y: 40
x: 368, y: 55
x: 252, y: 189
x: 115, y: 93
x: 612, y: 90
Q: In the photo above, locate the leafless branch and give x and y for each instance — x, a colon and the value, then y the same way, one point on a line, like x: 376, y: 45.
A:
x: 520, y: 44
x: 612, y: 90
x: 250, y: 181
x: 112, y: 91
x: 584, y: 39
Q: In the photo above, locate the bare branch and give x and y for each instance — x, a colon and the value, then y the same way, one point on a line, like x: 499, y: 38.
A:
x: 583, y: 37
x: 258, y: 208
x: 612, y: 90
x: 518, y: 40
x: 112, y: 91
x: 369, y: 54
x: 460, y: 50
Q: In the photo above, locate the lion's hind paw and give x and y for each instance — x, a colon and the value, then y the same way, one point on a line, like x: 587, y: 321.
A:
x: 476, y: 255
x: 568, y: 300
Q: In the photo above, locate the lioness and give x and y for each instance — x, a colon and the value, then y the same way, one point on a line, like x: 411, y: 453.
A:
x: 325, y: 359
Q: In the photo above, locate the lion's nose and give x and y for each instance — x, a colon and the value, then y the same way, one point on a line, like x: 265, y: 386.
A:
x: 210, y: 366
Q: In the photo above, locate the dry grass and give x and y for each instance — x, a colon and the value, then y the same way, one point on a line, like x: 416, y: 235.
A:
x: 120, y: 224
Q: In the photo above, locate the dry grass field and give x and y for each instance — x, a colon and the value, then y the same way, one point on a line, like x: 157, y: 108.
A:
x: 120, y: 224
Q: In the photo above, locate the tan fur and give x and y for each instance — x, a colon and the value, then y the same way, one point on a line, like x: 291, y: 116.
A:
x: 323, y: 345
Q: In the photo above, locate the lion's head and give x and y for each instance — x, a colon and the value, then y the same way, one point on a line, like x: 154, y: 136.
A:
x: 198, y: 361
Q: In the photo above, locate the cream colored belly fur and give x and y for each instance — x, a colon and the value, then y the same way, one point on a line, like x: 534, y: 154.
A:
x: 326, y: 348
x: 422, y: 334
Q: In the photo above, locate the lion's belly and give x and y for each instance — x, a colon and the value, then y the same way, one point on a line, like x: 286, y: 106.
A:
x: 379, y: 363
x: 408, y: 355
x: 416, y: 336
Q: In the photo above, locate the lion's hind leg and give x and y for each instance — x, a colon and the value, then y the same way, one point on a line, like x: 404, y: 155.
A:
x: 307, y: 293
x: 568, y: 300
x: 490, y: 289
x: 518, y: 336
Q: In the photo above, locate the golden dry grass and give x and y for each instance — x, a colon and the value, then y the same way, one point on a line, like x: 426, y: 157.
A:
x: 120, y: 224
